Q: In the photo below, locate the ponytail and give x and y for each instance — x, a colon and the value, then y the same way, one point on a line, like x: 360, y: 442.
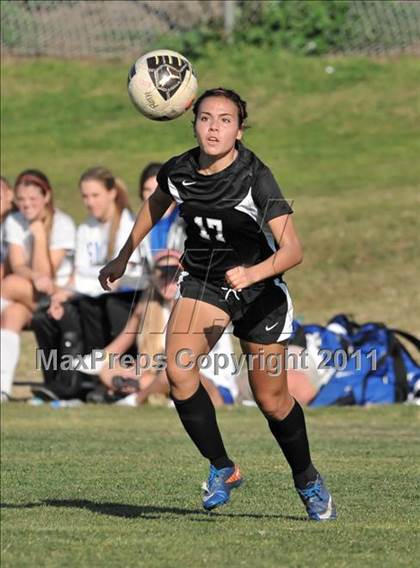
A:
x: 121, y: 203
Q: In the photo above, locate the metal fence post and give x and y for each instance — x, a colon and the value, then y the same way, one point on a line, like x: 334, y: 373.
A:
x: 229, y: 19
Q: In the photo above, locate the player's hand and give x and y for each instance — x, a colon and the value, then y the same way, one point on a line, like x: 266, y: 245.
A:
x: 111, y: 272
x: 43, y: 283
x: 108, y: 377
x: 56, y: 309
x: 239, y: 277
x: 37, y: 229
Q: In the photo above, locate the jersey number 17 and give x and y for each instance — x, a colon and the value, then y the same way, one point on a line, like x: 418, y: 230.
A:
x: 208, y: 223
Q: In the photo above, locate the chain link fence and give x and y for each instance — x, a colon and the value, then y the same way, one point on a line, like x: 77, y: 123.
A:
x: 382, y: 26
x: 110, y: 28
x: 92, y: 28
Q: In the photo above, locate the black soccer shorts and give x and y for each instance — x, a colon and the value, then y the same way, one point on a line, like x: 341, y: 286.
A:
x: 262, y: 313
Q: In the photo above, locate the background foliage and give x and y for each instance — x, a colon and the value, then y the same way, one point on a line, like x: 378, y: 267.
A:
x: 341, y: 135
x: 112, y: 28
x: 102, y: 486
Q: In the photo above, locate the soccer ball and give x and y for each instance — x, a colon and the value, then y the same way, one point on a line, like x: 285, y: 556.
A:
x: 162, y: 84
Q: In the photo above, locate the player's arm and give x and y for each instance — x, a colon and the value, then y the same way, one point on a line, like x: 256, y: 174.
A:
x: 41, y: 260
x: 290, y: 254
x: 126, y: 337
x: 151, y: 211
x: 17, y: 262
x: 57, y: 257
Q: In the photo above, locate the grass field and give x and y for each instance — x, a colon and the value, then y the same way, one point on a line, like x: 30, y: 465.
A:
x: 113, y: 487
x: 344, y: 146
x: 110, y: 486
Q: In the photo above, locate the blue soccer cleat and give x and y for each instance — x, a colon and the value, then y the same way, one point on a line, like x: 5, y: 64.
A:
x: 219, y: 485
x: 318, y: 501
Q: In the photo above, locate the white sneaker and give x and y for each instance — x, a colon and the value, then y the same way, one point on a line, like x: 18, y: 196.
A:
x: 130, y: 400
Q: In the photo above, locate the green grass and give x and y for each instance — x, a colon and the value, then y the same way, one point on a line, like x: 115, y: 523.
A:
x: 354, y: 130
x: 343, y: 146
x: 103, y: 486
x: 114, y: 487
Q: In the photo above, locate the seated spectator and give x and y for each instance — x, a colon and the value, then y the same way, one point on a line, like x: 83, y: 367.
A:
x: 169, y: 231
x: 6, y: 206
x: 303, y: 379
x: 41, y: 241
x: 83, y: 313
x: 147, y: 327
x: 306, y: 372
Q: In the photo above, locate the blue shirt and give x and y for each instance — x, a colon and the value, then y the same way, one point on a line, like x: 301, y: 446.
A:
x: 159, y: 233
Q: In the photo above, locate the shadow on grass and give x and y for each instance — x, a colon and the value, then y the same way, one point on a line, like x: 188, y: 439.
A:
x: 144, y: 511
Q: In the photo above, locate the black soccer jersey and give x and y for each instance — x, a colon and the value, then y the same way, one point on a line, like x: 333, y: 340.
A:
x: 225, y: 213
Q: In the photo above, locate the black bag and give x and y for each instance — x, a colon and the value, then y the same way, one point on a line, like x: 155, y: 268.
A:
x: 59, y: 342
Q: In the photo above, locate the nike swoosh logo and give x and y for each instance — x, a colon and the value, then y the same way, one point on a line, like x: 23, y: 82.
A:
x: 328, y: 512
x: 187, y: 183
x: 267, y: 328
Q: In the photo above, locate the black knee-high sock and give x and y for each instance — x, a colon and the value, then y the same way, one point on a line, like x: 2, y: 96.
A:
x: 291, y: 436
x: 198, y: 416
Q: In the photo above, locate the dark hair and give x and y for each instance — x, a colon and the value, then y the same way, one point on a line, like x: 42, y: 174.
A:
x: 151, y: 170
x: 34, y: 177
x: 228, y: 94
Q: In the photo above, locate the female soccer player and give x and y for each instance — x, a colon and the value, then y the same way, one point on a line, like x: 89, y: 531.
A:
x: 98, y: 238
x: 233, y: 271
x: 82, y: 310
x: 41, y: 242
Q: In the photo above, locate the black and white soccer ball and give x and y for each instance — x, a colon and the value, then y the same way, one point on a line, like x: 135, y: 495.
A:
x: 162, y: 84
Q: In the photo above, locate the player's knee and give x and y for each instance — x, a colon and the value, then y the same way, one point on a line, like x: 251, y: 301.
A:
x: 177, y: 374
x: 276, y: 406
x: 11, y: 285
x: 183, y: 382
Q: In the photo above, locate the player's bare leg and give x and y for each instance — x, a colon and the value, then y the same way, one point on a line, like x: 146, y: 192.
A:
x: 193, y: 329
x: 15, y: 317
x: 268, y: 378
x: 157, y: 383
x: 17, y: 289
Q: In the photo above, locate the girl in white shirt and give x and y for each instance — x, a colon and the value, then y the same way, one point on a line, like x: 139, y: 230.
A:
x: 41, y: 242
x: 98, y: 239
